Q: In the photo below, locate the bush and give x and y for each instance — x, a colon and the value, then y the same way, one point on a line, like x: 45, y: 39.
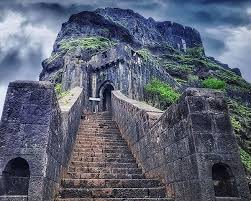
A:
x: 213, y: 83
x: 164, y: 92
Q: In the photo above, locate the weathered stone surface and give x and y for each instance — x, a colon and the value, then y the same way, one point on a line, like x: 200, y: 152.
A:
x: 183, y: 145
x: 33, y: 128
x: 107, y: 170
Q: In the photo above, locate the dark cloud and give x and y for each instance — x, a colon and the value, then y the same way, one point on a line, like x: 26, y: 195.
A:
x: 213, y: 46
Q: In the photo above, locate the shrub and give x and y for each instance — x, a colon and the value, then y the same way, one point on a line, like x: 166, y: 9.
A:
x: 164, y: 92
x: 213, y: 83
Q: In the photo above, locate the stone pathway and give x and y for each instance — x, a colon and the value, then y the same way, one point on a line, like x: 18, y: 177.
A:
x: 103, y: 168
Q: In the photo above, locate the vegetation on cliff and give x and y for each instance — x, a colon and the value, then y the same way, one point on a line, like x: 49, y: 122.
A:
x: 246, y: 159
x: 161, y: 92
x: 193, y: 69
x: 93, y: 43
x: 213, y: 83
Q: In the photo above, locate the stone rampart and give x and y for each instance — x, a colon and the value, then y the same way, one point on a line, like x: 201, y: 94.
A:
x: 36, y: 139
x: 191, y: 147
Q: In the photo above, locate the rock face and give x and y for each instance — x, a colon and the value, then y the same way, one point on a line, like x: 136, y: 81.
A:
x: 122, y: 26
x: 148, y: 32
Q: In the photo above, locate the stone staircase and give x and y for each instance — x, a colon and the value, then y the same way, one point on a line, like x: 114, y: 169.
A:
x: 103, y: 168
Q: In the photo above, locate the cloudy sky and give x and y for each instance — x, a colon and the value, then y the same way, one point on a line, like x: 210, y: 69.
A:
x: 28, y: 29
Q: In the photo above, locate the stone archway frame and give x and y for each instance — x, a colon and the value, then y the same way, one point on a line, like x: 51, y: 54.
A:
x: 36, y: 179
x: 101, y: 91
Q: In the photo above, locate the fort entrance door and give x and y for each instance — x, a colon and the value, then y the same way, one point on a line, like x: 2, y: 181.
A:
x: 107, y: 97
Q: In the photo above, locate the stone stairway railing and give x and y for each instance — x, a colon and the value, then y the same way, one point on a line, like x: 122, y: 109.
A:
x: 184, y: 144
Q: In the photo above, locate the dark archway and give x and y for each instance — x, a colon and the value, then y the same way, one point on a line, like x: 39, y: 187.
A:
x: 107, y: 97
x: 16, y: 176
x: 224, y: 181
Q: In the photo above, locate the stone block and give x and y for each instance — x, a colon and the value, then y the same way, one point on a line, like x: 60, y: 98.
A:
x: 201, y: 123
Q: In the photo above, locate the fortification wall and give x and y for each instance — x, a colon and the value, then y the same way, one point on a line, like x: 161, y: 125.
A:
x: 34, y: 131
x: 120, y: 66
x: 186, y: 146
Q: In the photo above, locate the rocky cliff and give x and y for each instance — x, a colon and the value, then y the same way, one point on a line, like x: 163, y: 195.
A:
x: 176, y: 51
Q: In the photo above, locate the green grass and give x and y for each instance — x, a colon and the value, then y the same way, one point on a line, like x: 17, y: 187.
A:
x: 232, y: 79
x: 246, y: 159
x: 240, y: 116
x: 196, y: 52
x: 182, y: 68
x: 213, y: 83
x: 59, y: 91
x: 97, y: 43
x: 163, y: 91
x: 53, y: 57
x: 145, y: 54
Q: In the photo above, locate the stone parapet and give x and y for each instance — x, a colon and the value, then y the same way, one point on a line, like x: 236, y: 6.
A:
x: 35, y: 139
x: 191, y: 147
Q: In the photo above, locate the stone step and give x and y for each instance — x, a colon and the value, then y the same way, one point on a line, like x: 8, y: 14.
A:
x: 99, y: 125
x: 106, y: 155
x: 98, y: 119
x: 100, y: 164
x: 110, y: 183
x: 106, y: 133
x: 115, y: 199
x: 99, y: 133
x: 124, y: 151
x: 105, y: 170
x: 101, y: 138
x: 100, y: 143
x: 113, y: 192
x: 98, y: 147
x: 104, y: 159
x: 81, y: 175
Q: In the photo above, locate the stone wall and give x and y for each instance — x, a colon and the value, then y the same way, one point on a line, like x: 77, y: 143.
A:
x: 33, y: 130
x: 120, y: 66
x: 184, y: 144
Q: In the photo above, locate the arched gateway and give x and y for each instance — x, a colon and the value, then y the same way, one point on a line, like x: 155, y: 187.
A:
x: 16, y: 176
x: 105, y: 95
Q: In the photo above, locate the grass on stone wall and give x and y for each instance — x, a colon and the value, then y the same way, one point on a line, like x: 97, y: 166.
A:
x: 59, y: 91
x: 164, y: 92
x: 97, y: 43
x: 213, y: 83
x: 246, y: 159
